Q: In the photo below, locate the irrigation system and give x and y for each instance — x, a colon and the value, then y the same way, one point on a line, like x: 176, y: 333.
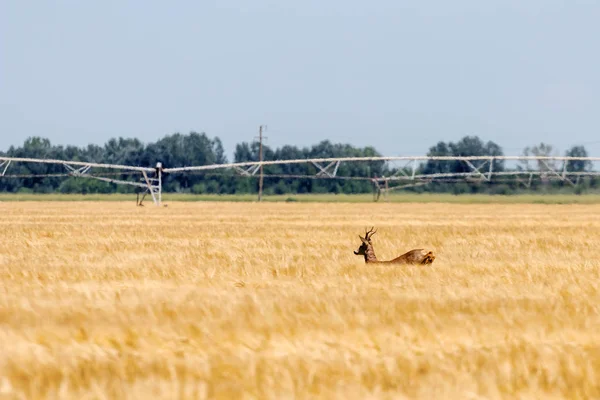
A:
x: 150, y: 178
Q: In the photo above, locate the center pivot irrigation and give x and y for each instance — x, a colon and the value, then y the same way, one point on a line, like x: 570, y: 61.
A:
x: 151, y: 178
x: 549, y: 168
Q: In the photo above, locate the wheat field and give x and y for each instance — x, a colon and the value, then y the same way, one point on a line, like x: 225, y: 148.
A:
x: 267, y: 301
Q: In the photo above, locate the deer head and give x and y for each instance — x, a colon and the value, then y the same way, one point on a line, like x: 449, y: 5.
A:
x: 366, y: 242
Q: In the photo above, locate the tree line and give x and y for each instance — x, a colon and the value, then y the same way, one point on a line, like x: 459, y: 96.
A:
x: 178, y: 150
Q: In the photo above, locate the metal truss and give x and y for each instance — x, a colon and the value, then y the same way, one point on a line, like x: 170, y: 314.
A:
x: 327, y: 168
x: 74, y: 163
x: 5, y: 164
x: 407, y: 176
x: 325, y: 171
x: 375, y: 159
x: 485, y: 172
x: 249, y: 171
x: 83, y: 169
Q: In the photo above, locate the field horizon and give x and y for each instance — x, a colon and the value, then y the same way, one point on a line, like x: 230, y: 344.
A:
x: 267, y: 300
x: 529, y: 198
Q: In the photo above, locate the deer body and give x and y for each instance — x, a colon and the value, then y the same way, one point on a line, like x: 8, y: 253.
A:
x: 416, y: 256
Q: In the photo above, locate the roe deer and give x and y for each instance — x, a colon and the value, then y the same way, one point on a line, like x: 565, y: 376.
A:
x: 416, y: 256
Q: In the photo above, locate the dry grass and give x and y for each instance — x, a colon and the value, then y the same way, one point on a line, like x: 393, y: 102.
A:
x: 222, y: 300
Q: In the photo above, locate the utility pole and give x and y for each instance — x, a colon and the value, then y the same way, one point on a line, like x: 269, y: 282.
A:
x: 260, y: 158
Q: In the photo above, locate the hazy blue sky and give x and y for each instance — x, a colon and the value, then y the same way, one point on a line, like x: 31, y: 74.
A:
x: 394, y: 74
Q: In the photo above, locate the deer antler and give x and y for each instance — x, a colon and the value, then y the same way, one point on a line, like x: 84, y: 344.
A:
x: 370, y: 233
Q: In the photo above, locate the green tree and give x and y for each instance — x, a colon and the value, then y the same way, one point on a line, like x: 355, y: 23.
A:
x: 577, y: 165
x: 467, y: 146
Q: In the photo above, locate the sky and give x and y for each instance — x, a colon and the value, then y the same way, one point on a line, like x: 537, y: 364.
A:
x: 396, y: 75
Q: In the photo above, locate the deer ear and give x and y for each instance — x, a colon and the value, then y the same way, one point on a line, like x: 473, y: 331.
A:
x: 362, y: 239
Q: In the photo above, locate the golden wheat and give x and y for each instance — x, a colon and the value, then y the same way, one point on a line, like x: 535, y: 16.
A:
x: 226, y: 300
